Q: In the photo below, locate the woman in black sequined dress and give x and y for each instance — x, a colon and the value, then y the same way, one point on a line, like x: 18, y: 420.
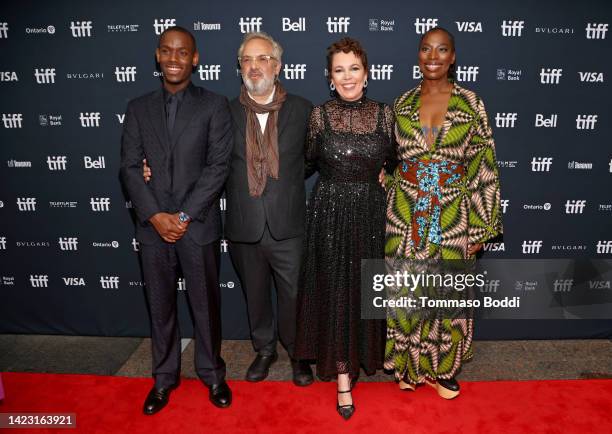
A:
x: 350, y: 140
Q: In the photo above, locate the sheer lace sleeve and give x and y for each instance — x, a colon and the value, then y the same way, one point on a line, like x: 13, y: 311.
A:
x: 313, y: 141
x: 391, y: 160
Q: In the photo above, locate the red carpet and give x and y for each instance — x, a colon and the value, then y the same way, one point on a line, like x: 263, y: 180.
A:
x: 113, y: 405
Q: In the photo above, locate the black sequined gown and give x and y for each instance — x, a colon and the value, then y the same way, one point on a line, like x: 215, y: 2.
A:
x: 348, y: 143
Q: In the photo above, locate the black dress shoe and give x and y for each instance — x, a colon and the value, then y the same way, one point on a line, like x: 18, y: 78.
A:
x: 156, y: 400
x: 220, y: 394
x: 447, y: 389
x: 450, y: 384
x: 346, y: 411
x: 259, y: 369
x: 302, y: 373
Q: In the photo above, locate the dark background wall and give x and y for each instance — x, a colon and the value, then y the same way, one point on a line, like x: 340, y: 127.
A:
x: 63, y: 61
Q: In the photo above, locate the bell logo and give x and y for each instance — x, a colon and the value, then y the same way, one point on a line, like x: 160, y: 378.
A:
x: 512, y: 28
x: 541, y: 164
x: 26, y: 203
x: 381, y: 72
x: 416, y: 72
x: 124, y: 74
x: 12, y: 120
x: 209, y: 72
x: 563, y: 285
x: 251, y: 24
x: 469, y: 26
x: 44, y: 76
x: 4, y: 30
x: 505, y: 120
x: 422, y: 25
x: 89, y: 119
x: 586, y: 122
x: 467, y: 73
x: 295, y: 71
x: 298, y: 26
x: 591, y: 77
x: 162, y: 24
x: 596, y: 31
x: 109, y: 282
x: 39, y: 280
x: 574, y: 206
x: 604, y: 247
x: 100, y: 204
x: 57, y: 162
x: 81, y: 29
x: 90, y: 163
x: 550, y: 75
x: 541, y: 121
x: 66, y: 243
x: 531, y: 247
x: 338, y: 24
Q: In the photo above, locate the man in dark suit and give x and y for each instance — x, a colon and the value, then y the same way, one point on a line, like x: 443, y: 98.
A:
x: 266, y: 201
x: 184, y: 132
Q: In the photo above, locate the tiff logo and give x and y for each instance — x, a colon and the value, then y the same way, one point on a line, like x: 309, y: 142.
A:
x: 124, y: 74
x: 563, y: 285
x: 505, y: 120
x: 4, y: 30
x: 135, y: 245
x: 209, y: 72
x: 44, y: 76
x: 180, y: 284
x: 295, y: 71
x: 57, y: 162
x: 574, y: 206
x: 490, y: 285
x: 604, y: 247
x: 68, y: 243
x: 338, y: 24
x: 99, y: 204
x: 422, y: 25
x: 251, y: 24
x: 223, y: 245
x: 596, y: 30
x: 2, y: 243
x: 39, y: 280
x: 504, y: 205
x: 109, y: 282
x: 12, y: 120
x: 531, y: 247
x: 467, y: 73
x: 298, y: 26
x: 541, y: 164
x: 26, y: 203
x: 512, y: 28
x: 586, y: 122
x: 162, y: 24
x: 89, y: 119
x: 541, y: 121
x: 381, y: 72
x: 550, y: 75
x: 81, y: 29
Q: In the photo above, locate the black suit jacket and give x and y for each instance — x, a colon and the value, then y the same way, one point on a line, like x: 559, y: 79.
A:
x: 283, y: 202
x: 189, y: 169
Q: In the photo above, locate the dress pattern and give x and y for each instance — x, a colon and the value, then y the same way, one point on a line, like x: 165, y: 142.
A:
x: 441, y: 197
x: 348, y: 143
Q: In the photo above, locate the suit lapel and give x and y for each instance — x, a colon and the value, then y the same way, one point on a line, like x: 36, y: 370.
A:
x: 186, y: 112
x: 283, y: 118
x: 158, y: 118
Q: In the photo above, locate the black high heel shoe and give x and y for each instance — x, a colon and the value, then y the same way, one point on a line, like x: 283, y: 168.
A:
x: 347, y: 410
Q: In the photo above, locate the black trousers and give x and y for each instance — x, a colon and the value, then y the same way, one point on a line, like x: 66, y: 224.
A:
x: 257, y: 264
x: 200, y: 266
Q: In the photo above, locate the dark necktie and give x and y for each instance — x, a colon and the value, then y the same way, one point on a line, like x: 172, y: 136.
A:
x: 171, y: 108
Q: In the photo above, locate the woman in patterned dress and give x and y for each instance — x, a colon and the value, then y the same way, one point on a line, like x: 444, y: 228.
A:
x: 443, y: 202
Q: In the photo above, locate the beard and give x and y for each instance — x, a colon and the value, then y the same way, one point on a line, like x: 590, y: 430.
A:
x: 261, y: 87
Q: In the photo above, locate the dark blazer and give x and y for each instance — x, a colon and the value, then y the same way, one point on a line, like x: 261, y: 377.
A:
x: 189, y: 169
x: 283, y: 202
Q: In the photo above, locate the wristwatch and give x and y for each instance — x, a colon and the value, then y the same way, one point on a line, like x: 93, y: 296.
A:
x: 183, y: 218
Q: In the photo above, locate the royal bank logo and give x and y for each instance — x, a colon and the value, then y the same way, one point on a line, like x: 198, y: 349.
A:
x: 422, y: 25
x: 199, y: 26
x: 550, y: 75
x: 381, y: 25
x: 48, y: 30
x: 4, y: 28
x: 541, y: 164
x: 531, y: 247
x: 73, y: 281
x: 12, y: 120
x: 48, y: 120
x: 8, y: 76
x: 505, y: 120
x: 125, y: 74
x: 579, y: 165
x: 563, y: 285
x: 591, y: 77
x: 100, y: 204
x: 338, y: 24
x: 603, y: 247
x: 494, y: 247
x: 293, y: 26
x: 26, y: 204
x: 469, y: 26
x: 512, y: 28
x: 57, y: 162
x: 467, y: 73
x: 504, y: 203
x: 39, y: 280
x: 109, y: 282
x: 490, y: 286
x: 294, y: 71
x: 19, y: 164
x: 543, y: 122
x: 575, y: 206
x: 250, y: 24
x: 586, y: 122
x: 122, y: 28
x: 44, y: 75
x: 159, y: 25
x: 68, y: 243
x: 135, y: 245
x: 223, y: 245
x: 63, y: 204
x: 596, y: 30
x: 381, y: 72
x: 504, y: 74
x: 91, y: 163
x: 209, y: 72
x: 7, y: 281
x: 89, y: 119
x: 81, y: 29
x: 2, y: 243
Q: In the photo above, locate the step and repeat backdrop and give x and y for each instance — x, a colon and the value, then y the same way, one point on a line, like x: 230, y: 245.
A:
x: 68, y: 258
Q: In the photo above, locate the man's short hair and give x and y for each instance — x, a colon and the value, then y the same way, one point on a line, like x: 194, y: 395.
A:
x: 179, y: 29
x: 277, y: 50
